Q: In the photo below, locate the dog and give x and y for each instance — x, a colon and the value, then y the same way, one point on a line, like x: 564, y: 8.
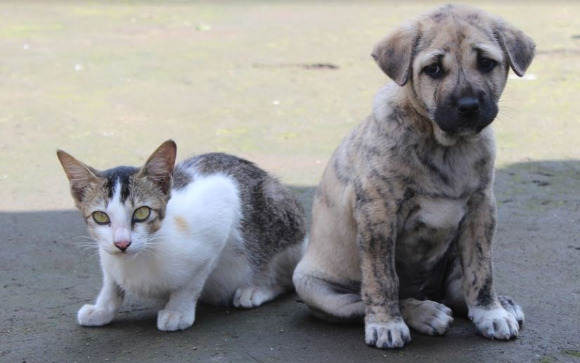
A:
x: 404, y: 216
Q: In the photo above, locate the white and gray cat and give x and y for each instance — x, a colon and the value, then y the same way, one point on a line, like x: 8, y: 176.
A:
x: 214, y: 227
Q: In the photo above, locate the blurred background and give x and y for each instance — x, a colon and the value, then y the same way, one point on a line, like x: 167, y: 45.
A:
x: 278, y: 82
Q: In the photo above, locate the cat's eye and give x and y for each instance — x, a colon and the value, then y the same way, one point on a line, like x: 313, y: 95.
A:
x: 434, y: 70
x: 141, y: 214
x: 485, y: 65
x: 101, y: 218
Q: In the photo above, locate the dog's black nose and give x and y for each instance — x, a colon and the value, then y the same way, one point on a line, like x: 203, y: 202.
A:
x: 467, y: 105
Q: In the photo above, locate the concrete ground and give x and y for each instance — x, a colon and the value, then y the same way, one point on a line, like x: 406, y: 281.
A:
x: 279, y: 83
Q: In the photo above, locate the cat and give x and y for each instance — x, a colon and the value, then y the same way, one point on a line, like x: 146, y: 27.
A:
x: 214, y: 227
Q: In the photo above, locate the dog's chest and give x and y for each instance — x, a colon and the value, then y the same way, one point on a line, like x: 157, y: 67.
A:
x: 430, y: 227
x: 437, y: 213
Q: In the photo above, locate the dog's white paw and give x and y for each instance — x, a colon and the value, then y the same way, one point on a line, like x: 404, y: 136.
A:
x: 427, y: 317
x: 90, y: 315
x: 513, y: 308
x: 394, y: 334
x: 495, y: 323
x: 169, y: 320
x: 250, y: 297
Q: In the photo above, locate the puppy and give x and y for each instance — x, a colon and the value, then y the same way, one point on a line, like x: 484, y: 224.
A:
x: 404, y: 215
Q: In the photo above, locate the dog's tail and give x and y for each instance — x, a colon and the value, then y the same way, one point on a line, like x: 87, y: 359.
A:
x: 329, y: 300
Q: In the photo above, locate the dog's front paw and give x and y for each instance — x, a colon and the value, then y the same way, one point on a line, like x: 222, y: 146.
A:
x: 169, y: 320
x: 394, y: 334
x: 91, y: 315
x: 494, y: 323
x: 513, y: 308
x: 427, y: 317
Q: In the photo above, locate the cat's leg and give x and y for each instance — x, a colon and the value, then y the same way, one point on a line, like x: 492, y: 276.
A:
x: 271, y: 281
x: 108, y: 303
x: 253, y: 296
x: 263, y: 288
x: 280, y: 238
x: 179, y: 312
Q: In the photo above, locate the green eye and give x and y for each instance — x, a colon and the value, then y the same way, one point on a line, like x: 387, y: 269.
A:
x: 141, y: 214
x: 101, y: 218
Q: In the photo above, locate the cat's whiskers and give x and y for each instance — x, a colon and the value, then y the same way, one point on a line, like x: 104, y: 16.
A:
x: 151, y: 247
x: 88, y: 247
x: 89, y: 243
x: 87, y: 237
x: 94, y: 255
x: 153, y: 241
x: 150, y: 252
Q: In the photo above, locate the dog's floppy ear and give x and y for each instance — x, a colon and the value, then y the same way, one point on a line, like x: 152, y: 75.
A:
x: 394, y: 54
x: 519, y: 47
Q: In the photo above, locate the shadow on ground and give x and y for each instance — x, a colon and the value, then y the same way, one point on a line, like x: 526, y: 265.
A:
x: 45, y: 277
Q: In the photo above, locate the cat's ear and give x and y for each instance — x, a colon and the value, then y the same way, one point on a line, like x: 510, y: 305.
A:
x: 159, y: 166
x: 79, y: 175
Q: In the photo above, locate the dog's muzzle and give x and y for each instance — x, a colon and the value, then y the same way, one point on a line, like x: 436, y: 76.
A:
x: 465, y: 115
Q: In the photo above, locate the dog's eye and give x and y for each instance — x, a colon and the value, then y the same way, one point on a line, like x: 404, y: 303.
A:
x: 486, y: 65
x: 434, y: 70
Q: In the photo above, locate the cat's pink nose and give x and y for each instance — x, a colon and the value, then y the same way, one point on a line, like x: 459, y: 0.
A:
x: 122, y: 245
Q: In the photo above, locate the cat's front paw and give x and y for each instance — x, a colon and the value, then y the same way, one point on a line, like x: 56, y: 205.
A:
x: 394, y: 334
x: 91, y: 315
x: 169, y: 320
x: 494, y: 323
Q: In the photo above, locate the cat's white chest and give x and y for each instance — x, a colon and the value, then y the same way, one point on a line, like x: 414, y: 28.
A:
x: 143, y: 275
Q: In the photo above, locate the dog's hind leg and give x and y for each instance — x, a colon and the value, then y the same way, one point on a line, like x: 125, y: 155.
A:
x: 328, y: 300
x: 454, y: 297
x: 427, y: 317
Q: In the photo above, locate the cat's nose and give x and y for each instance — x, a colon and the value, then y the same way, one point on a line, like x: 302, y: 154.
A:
x: 122, y: 245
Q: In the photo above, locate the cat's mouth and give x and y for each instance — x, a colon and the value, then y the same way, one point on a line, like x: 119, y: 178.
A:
x: 127, y: 254
x: 124, y: 249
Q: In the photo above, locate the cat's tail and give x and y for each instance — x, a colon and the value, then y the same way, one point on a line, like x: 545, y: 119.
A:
x: 284, y: 263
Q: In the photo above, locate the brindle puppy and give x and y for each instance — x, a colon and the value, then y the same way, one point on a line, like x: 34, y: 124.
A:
x: 404, y: 216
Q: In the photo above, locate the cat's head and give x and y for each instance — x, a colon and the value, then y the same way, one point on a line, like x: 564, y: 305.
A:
x: 123, y: 206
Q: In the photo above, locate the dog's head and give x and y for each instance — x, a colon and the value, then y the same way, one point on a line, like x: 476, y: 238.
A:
x: 455, y: 59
